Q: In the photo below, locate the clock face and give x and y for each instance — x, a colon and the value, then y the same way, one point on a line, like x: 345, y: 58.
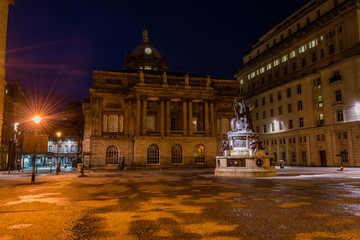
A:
x: 148, y: 50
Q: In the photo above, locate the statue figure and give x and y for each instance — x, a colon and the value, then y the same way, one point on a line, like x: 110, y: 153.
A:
x: 164, y: 78
x: 186, y: 79
x: 141, y: 76
x: 225, y: 146
x: 243, y: 120
x: 208, y: 81
x: 253, y: 146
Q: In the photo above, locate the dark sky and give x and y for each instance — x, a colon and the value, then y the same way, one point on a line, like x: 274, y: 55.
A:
x: 54, y: 45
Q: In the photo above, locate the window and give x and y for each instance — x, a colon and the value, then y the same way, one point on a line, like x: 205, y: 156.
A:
x: 280, y: 110
x: 65, y: 149
x: 338, y: 95
x: 301, y: 122
x: 303, y: 48
x: 300, y: 106
x: 271, y: 99
x: 276, y: 62
x: 289, y: 108
x: 264, y: 114
x: 113, y: 123
x: 294, y: 66
x: 281, y: 126
x: 263, y: 100
x: 112, y: 155
x: 272, y: 127
x: 304, y: 159
x: 284, y: 58
x: 150, y: 123
x: 271, y: 112
x: 307, y: 20
x: 270, y: 77
x: 340, y: 116
x: 279, y: 96
x: 264, y: 128
x: 257, y: 116
x: 304, y: 138
x: 176, y: 154
x: 173, y: 124
x: 50, y: 148
x: 59, y: 149
x: 256, y: 103
x: 321, y: 118
x: 303, y: 62
x: 257, y: 129
x: 293, y: 157
x: 292, y: 54
x: 339, y: 135
x: 199, y: 154
x: 153, y: 154
x: 322, y: 54
x: 344, y: 156
x: 268, y: 66
x: 288, y: 92
x: 291, y: 126
x: 336, y: 77
x: 320, y: 101
x: 345, y: 135
x: 298, y: 88
x: 317, y: 84
x: 283, y: 156
x: 313, y: 57
x: 331, y: 49
x: 72, y: 149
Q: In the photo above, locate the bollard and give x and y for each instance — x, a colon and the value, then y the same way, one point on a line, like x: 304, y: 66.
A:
x: 81, y: 170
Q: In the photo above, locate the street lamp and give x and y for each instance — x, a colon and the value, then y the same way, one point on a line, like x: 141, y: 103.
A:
x: 36, y: 120
x: 57, y: 158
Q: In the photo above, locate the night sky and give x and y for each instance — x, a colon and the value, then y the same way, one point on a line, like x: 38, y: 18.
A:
x: 53, y: 46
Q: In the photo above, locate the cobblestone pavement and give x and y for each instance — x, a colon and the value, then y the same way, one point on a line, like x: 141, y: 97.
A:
x: 301, y: 203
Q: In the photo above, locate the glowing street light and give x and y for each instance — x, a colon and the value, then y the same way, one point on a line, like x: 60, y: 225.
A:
x: 36, y: 120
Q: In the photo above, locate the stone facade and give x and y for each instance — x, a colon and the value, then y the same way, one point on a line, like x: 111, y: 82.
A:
x: 303, y: 78
x: 4, y: 9
x: 149, y: 116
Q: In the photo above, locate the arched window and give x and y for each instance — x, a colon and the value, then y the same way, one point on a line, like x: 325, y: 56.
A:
x: 176, y: 154
x: 153, y: 154
x: 199, y: 154
x: 112, y: 155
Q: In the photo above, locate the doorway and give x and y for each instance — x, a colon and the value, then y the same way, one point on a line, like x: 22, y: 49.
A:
x: 323, y: 158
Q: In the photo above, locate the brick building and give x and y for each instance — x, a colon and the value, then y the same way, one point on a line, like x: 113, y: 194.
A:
x: 303, y: 76
x: 145, y: 115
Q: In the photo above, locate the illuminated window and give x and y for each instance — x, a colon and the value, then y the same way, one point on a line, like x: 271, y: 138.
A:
x: 176, y: 154
x: 292, y: 54
x: 321, y: 118
x: 241, y: 81
x: 281, y: 127
x: 252, y: 74
x: 112, y: 155
x: 317, y: 83
x: 262, y: 70
x: 72, y: 149
x: 194, y: 124
x: 284, y: 58
x: 320, y: 101
x: 65, y: 149
x: 153, y: 154
x: 147, y: 67
x: 50, y: 148
x: 276, y: 62
x: 313, y: 43
x: 268, y: 66
x: 199, y: 154
x: 321, y: 38
x: 249, y: 76
x: 302, y: 49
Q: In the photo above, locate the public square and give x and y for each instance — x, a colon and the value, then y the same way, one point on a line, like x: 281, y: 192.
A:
x: 300, y: 203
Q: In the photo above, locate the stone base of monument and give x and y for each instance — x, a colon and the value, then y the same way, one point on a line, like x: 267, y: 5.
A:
x: 244, y: 166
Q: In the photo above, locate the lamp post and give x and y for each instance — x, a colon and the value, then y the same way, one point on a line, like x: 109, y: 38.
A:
x: 37, y: 120
x: 57, y: 157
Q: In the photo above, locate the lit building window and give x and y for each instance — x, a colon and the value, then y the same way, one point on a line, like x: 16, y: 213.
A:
x: 313, y: 43
x: 241, y: 81
x: 303, y: 48
x: 281, y: 126
x: 50, y: 148
x: 262, y: 70
x: 176, y: 154
x: 268, y: 66
x: 284, y: 58
x: 153, y: 154
x: 199, y: 154
x: 320, y: 101
x: 276, y: 62
x: 292, y: 54
x: 321, y: 118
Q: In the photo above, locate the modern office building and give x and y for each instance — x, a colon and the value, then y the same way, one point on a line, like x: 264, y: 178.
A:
x: 144, y: 115
x: 303, y: 76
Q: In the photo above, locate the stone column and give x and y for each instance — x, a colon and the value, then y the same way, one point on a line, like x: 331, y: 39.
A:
x: 144, y: 116
x: 137, y: 127
x: 162, y: 123
x: 190, y: 119
x: 206, y: 118
x: 126, y: 117
x: 212, y: 119
x: 218, y: 124
x: 168, y: 119
x: 184, y: 118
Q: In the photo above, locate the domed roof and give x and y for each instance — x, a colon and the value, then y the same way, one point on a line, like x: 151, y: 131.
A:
x: 145, y: 56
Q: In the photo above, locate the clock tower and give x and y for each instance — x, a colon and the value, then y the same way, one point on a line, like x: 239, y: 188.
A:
x: 145, y: 56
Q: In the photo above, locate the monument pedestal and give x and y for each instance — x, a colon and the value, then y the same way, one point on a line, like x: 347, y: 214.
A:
x: 244, y: 166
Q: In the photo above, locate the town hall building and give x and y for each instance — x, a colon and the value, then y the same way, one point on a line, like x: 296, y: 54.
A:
x: 147, y: 116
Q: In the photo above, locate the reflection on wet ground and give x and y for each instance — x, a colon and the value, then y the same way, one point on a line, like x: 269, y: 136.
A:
x: 182, y: 204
